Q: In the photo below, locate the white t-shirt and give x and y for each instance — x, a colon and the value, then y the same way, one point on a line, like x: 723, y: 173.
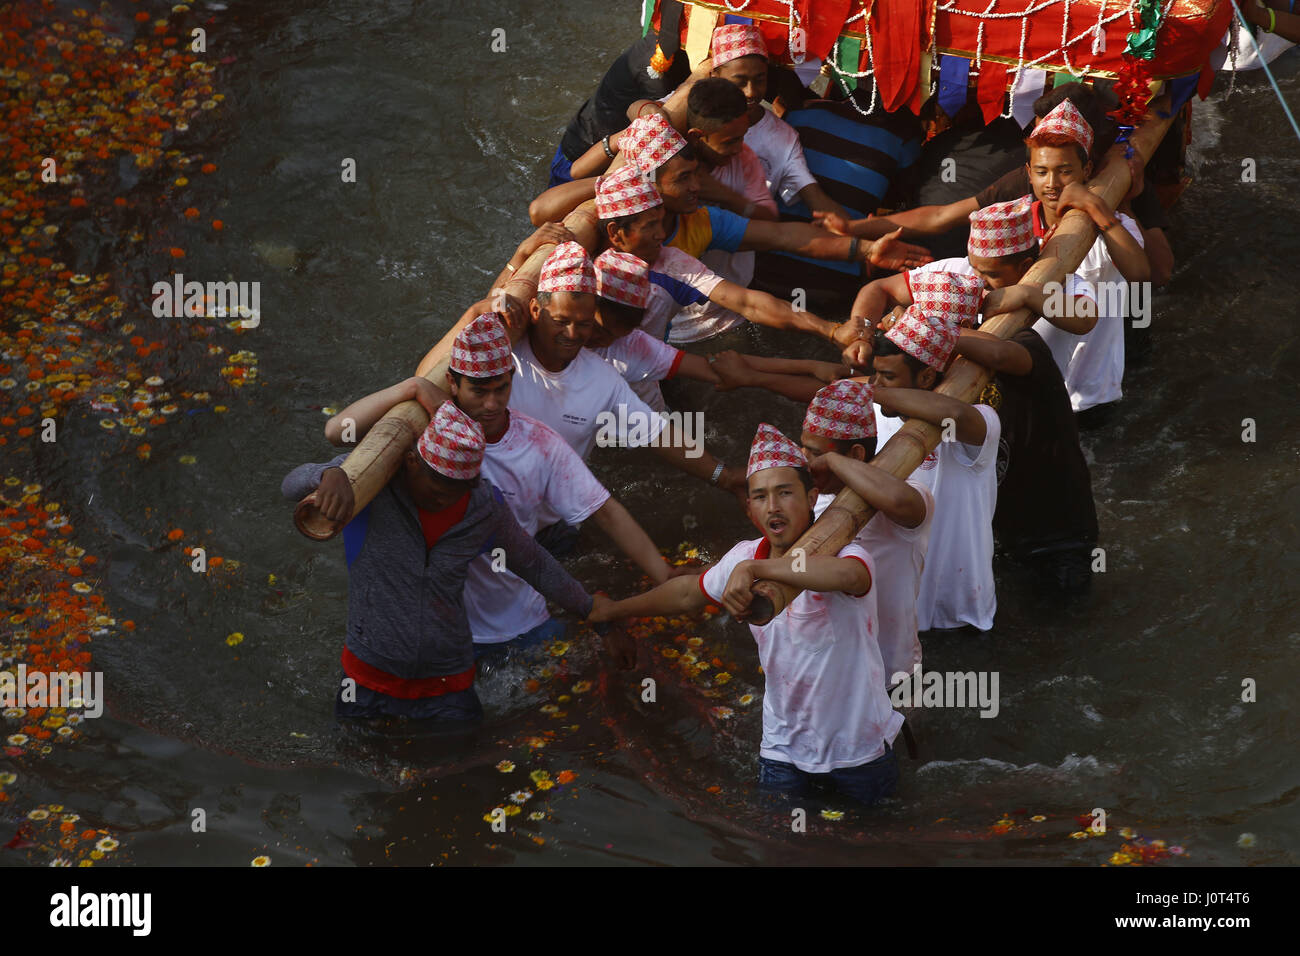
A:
x: 543, y: 481
x: 825, y: 706
x: 1073, y: 287
x: 1093, y: 364
x: 743, y: 173
x: 643, y: 362
x: 776, y: 143
x: 572, y: 401
x: 678, y: 279
x: 957, y: 582
x: 899, y: 554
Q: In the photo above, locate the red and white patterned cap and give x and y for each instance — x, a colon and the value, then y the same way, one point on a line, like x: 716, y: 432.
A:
x: 625, y: 192
x: 482, y: 348
x: 771, y: 449
x: 842, y: 410
x: 1002, y: 229
x: 650, y: 141
x: 734, y: 40
x: 1065, y: 120
x: 453, y: 443
x: 953, y: 295
x: 568, y: 269
x: 928, y: 338
x: 622, y: 277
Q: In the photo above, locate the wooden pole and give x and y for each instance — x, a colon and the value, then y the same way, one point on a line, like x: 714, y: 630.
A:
x: 965, y: 380
x: 376, y: 459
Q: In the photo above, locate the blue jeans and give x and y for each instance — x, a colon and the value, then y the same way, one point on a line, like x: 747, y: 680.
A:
x: 561, y: 171
x: 549, y: 630
x: 868, y: 783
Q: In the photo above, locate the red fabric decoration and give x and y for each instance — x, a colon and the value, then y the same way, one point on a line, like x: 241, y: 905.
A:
x: 992, y: 89
x: 896, y: 47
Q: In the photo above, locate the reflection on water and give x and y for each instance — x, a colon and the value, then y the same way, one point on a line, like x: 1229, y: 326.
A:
x: 1129, y: 700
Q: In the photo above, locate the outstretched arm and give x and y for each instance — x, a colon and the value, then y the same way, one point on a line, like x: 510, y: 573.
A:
x: 796, y: 379
x: 1079, y: 316
x: 351, y: 424
x: 537, y: 566
x: 817, y: 572
x: 995, y: 354
x: 921, y: 221
x: 899, y: 501
x: 558, y: 201
x: 617, y: 522
x: 680, y: 595
x: 764, y: 309
x: 935, y: 409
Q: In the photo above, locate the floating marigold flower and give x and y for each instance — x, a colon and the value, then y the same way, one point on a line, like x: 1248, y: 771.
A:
x: 261, y: 861
x: 218, y: 225
x: 581, y: 687
x: 234, y: 638
x: 191, y: 213
x: 505, y: 766
x: 1119, y: 859
x: 565, y: 776
x: 511, y: 810
x: 832, y: 814
x: 177, y: 253
x: 175, y: 534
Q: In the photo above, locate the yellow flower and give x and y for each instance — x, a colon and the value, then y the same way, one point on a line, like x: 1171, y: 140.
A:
x: 261, y: 861
x: 505, y: 766
x: 559, y: 648
x: 512, y: 810
x: 1119, y: 859
x: 1038, y: 818
x: 832, y: 814
x: 721, y: 677
x: 1127, y: 833
x: 581, y: 687
x: 235, y: 638
x: 537, y: 776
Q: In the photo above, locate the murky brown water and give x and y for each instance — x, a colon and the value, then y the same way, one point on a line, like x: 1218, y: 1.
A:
x: 1129, y: 700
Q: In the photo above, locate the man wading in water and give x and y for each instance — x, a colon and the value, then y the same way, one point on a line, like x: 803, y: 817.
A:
x: 826, y: 717
x: 408, y: 651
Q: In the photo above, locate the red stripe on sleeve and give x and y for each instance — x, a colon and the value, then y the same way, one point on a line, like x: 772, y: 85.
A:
x: 676, y: 362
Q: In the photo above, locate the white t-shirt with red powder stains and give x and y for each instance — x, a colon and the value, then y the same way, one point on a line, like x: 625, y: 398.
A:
x: 678, y: 279
x: 543, y: 481
x: 574, y: 401
x: 825, y: 706
x: 1093, y: 364
x: 643, y: 362
x: 957, y: 582
x: 899, y: 554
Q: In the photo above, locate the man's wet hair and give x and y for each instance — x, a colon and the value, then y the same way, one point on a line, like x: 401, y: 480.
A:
x: 844, y: 445
x: 625, y: 317
x: 713, y: 103
x: 882, y: 345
